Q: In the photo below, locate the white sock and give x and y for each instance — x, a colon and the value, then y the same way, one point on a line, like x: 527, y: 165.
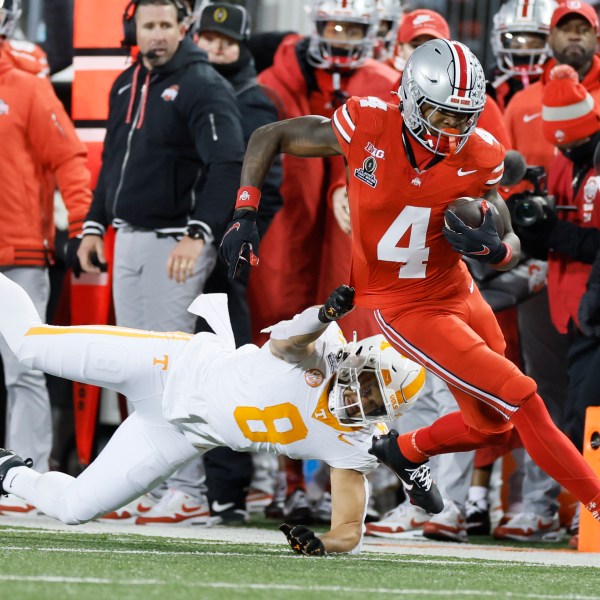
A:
x: 478, y: 495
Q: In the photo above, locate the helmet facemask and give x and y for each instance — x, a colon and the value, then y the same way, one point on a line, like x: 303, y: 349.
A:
x: 374, y: 383
x: 336, y: 52
x: 9, y: 15
x: 389, y: 12
x: 453, y: 84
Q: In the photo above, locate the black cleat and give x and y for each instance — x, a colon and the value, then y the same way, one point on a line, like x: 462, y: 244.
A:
x: 478, y: 519
x: 8, y: 460
x: 416, y: 477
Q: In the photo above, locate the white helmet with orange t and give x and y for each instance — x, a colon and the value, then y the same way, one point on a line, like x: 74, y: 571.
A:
x: 374, y: 383
x: 343, y: 33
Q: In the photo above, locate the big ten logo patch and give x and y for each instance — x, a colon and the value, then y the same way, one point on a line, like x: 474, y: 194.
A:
x: 375, y: 152
x: 314, y: 378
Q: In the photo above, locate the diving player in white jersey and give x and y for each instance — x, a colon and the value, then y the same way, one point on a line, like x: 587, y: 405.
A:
x: 306, y: 394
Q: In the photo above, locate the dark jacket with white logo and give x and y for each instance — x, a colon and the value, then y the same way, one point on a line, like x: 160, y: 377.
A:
x: 173, y: 149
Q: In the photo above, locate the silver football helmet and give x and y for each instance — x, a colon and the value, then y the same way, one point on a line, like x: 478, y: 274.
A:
x: 389, y: 12
x: 515, y: 18
x: 446, y: 75
x: 10, y: 11
x: 324, y: 53
x: 374, y: 383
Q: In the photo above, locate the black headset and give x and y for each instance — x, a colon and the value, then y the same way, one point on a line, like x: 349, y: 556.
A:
x: 129, y: 36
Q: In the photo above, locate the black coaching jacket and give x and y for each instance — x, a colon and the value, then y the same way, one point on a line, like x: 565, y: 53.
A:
x: 173, y: 149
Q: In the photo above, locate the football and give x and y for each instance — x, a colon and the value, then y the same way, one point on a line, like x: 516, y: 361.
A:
x: 468, y: 210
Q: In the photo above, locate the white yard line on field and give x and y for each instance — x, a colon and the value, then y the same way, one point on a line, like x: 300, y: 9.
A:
x: 289, y: 587
x: 252, y: 535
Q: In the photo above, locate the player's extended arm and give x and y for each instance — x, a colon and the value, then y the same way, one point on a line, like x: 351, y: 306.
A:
x: 306, y: 137
x: 293, y: 341
x: 349, y: 500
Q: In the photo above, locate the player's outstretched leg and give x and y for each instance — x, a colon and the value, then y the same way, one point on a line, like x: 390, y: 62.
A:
x: 9, y: 460
x: 17, y: 313
x: 416, y: 477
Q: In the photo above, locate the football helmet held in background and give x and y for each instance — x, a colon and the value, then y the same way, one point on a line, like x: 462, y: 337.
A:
x: 389, y: 12
x: 10, y: 11
x: 328, y: 53
x: 446, y: 75
x: 516, y: 25
x: 374, y: 383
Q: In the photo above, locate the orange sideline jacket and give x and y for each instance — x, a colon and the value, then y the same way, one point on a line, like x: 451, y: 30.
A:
x: 36, y: 133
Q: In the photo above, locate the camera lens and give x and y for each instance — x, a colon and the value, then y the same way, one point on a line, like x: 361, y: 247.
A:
x: 527, y: 211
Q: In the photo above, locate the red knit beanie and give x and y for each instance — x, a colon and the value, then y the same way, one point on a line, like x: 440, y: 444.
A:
x: 568, y: 111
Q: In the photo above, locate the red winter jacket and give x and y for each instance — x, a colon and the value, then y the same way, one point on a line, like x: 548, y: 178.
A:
x: 37, y: 137
x: 567, y: 277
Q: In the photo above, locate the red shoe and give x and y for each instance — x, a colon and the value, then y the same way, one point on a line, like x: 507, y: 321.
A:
x: 527, y: 527
x: 176, y: 507
x: 130, y: 512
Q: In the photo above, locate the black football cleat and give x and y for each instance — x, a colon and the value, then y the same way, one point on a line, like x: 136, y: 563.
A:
x: 8, y: 460
x: 416, y: 477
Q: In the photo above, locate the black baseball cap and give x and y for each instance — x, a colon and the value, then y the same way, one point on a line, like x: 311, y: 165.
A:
x: 228, y: 19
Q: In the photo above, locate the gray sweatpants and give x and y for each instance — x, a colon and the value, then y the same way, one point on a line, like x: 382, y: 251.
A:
x: 28, y: 414
x: 145, y: 298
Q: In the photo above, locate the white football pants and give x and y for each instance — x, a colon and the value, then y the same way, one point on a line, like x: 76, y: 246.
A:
x: 144, y: 450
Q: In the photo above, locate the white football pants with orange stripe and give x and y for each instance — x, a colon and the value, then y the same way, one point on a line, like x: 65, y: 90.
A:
x: 144, y: 450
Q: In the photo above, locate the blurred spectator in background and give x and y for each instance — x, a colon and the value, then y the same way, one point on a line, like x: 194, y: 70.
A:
x: 572, y: 40
x: 520, y: 45
x: 571, y: 234
x: 390, y: 14
x: 222, y: 31
x: 39, y: 141
x: 171, y: 162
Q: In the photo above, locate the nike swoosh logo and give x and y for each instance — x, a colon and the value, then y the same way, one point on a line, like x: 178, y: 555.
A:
x: 415, y: 524
x: 189, y: 509
x: 235, y: 226
x: 462, y: 173
x: 527, y: 118
x: 342, y: 438
x: 483, y: 252
x: 122, y: 89
x: 218, y: 507
x: 142, y: 509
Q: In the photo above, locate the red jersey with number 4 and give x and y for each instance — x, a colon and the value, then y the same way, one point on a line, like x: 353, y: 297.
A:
x: 399, y: 254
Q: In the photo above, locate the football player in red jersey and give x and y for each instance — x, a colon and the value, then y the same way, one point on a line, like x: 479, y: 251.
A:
x: 405, y: 166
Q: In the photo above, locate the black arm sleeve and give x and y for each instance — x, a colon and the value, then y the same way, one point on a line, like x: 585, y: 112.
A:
x: 579, y: 243
x: 214, y: 120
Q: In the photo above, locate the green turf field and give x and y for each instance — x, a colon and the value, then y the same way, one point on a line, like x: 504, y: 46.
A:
x: 38, y: 564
